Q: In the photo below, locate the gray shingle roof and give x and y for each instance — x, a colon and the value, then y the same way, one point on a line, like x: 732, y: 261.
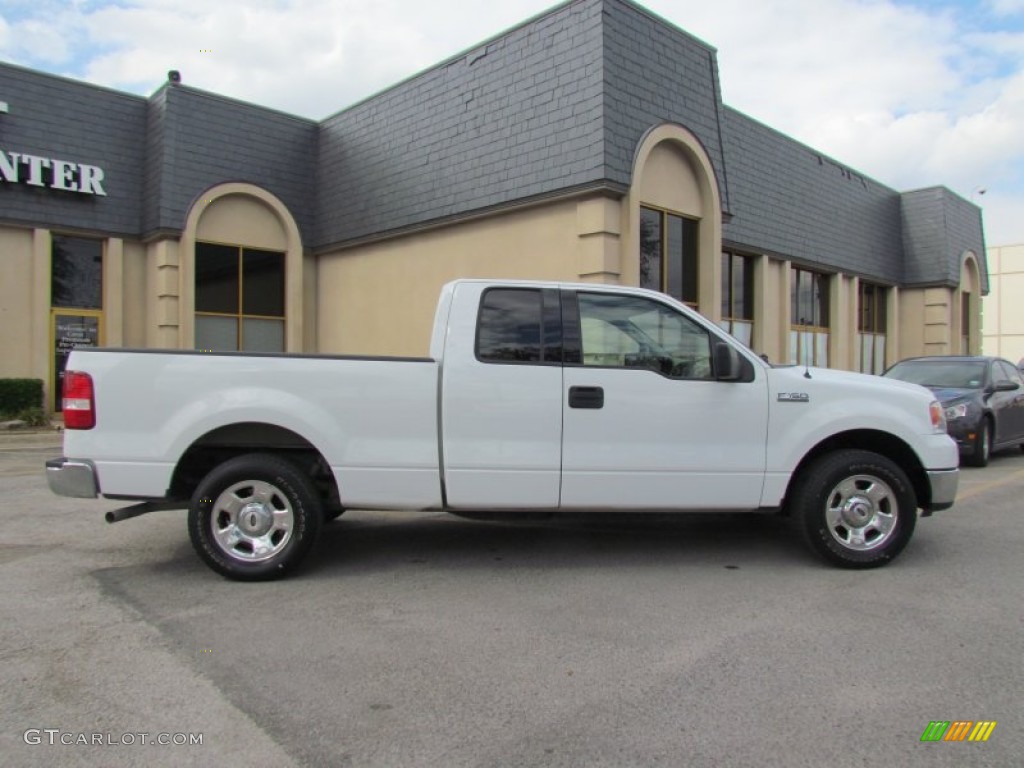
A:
x: 558, y: 103
x: 54, y: 117
x: 518, y: 117
x: 791, y: 200
x: 939, y: 227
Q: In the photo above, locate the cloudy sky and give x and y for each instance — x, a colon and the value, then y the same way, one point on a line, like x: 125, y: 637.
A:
x: 910, y: 92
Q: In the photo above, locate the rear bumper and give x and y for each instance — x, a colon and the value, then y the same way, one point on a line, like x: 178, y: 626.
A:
x: 944, y: 483
x: 72, y: 477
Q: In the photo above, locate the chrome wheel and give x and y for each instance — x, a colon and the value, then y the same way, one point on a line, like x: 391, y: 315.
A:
x: 854, y: 508
x: 861, y: 513
x: 252, y: 521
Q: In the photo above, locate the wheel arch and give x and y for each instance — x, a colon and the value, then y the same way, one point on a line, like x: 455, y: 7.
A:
x: 877, y: 441
x: 226, y: 442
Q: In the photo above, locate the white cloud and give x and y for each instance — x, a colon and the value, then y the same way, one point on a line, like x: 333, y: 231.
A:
x: 1007, y: 7
x: 311, y: 57
x: 911, y: 95
x: 1001, y: 213
x: 902, y: 94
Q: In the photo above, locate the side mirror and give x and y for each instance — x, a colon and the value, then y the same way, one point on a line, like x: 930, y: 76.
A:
x: 1006, y: 386
x: 728, y: 363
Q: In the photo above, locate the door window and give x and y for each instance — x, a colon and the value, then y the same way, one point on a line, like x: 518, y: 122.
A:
x: 1006, y: 372
x: 633, y: 332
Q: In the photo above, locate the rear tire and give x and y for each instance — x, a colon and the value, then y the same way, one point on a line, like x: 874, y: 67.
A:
x: 254, y: 517
x: 982, y: 446
x: 854, y: 508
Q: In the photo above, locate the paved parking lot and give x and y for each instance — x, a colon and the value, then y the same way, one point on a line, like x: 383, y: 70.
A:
x: 432, y: 641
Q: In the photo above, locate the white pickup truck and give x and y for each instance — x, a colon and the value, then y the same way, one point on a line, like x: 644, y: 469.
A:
x: 537, y: 397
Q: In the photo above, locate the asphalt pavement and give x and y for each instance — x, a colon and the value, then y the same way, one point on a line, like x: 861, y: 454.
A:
x: 426, y: 640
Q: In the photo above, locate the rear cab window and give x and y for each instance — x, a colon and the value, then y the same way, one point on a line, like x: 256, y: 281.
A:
x: 519, y: 325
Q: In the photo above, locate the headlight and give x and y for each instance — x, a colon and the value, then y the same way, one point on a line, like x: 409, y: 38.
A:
x: 938, y: 416
x: 956, y: 411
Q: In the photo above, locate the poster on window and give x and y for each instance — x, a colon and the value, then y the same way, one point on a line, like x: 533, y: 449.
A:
x: 70, y: 331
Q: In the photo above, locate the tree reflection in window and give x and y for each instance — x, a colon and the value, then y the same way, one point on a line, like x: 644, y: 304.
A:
x: 510, y: 326
x: 633, y: 332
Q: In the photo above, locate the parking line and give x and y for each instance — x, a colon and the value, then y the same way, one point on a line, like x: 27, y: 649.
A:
x: 1019, y: 474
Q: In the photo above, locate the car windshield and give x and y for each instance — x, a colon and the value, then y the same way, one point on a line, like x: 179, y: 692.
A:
x: 964, y: 374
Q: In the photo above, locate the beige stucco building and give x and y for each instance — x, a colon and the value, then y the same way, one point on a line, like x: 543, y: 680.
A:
x: 589, y: 144
x: 1003, y: 308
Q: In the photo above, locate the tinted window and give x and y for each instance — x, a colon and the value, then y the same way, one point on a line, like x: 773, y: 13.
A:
x: 510, y: 326
x: 77, y: 273
x: 668, y: 254
x: 217, y: 285
x: 263, y: 282
x: 650, y: 249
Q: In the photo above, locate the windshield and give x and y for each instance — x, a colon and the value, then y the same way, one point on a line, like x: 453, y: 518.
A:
x: 964, y: 374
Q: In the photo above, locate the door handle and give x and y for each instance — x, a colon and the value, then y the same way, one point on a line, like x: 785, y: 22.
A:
x: 586, y: 397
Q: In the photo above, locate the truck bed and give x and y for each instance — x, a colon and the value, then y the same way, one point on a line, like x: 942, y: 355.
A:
x: 374, y: 420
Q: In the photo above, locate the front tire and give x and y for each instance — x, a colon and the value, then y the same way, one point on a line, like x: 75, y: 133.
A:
x: 854, y: 508
x: 982, y: 446
x: 254, y: 517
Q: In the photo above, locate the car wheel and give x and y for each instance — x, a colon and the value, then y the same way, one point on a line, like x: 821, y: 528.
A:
x: 982, y: 446
x: 254, y: 517
x: 854, y: 508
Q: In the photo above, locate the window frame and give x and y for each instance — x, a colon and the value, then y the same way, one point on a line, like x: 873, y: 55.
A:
x: 821, y: 310
x: 875, y: 326
x: 709, y: 335
x: 730, y: 320
x: 965, y: 323
x: 240, y: 315
x: 664, y: 265
x: 550, y: 325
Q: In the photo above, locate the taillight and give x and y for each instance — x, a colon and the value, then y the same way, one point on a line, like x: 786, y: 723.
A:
x: 79, y: 401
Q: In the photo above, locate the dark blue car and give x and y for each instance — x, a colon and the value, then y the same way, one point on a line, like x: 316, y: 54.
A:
x: 983, y: 398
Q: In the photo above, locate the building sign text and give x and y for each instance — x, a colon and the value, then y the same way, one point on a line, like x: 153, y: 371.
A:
x: 50, y: 172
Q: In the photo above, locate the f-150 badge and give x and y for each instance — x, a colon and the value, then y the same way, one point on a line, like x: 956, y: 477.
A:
x: 794, y: 397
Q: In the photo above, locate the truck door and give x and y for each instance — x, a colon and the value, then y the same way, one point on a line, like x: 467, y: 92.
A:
x: 646, y: 423
x: 501, y: 409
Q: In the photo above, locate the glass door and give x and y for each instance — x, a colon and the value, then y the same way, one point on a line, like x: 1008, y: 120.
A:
x: 70, y: 328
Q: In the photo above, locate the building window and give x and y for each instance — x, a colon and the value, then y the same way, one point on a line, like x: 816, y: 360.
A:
x: 239, y: 298
x: 965, y: 323
x: 76, y: 273
x: 668, y: 254
x: 871, y: 326
x: 808, y: 336
x: 76, y: 301
x: 738, y: 296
